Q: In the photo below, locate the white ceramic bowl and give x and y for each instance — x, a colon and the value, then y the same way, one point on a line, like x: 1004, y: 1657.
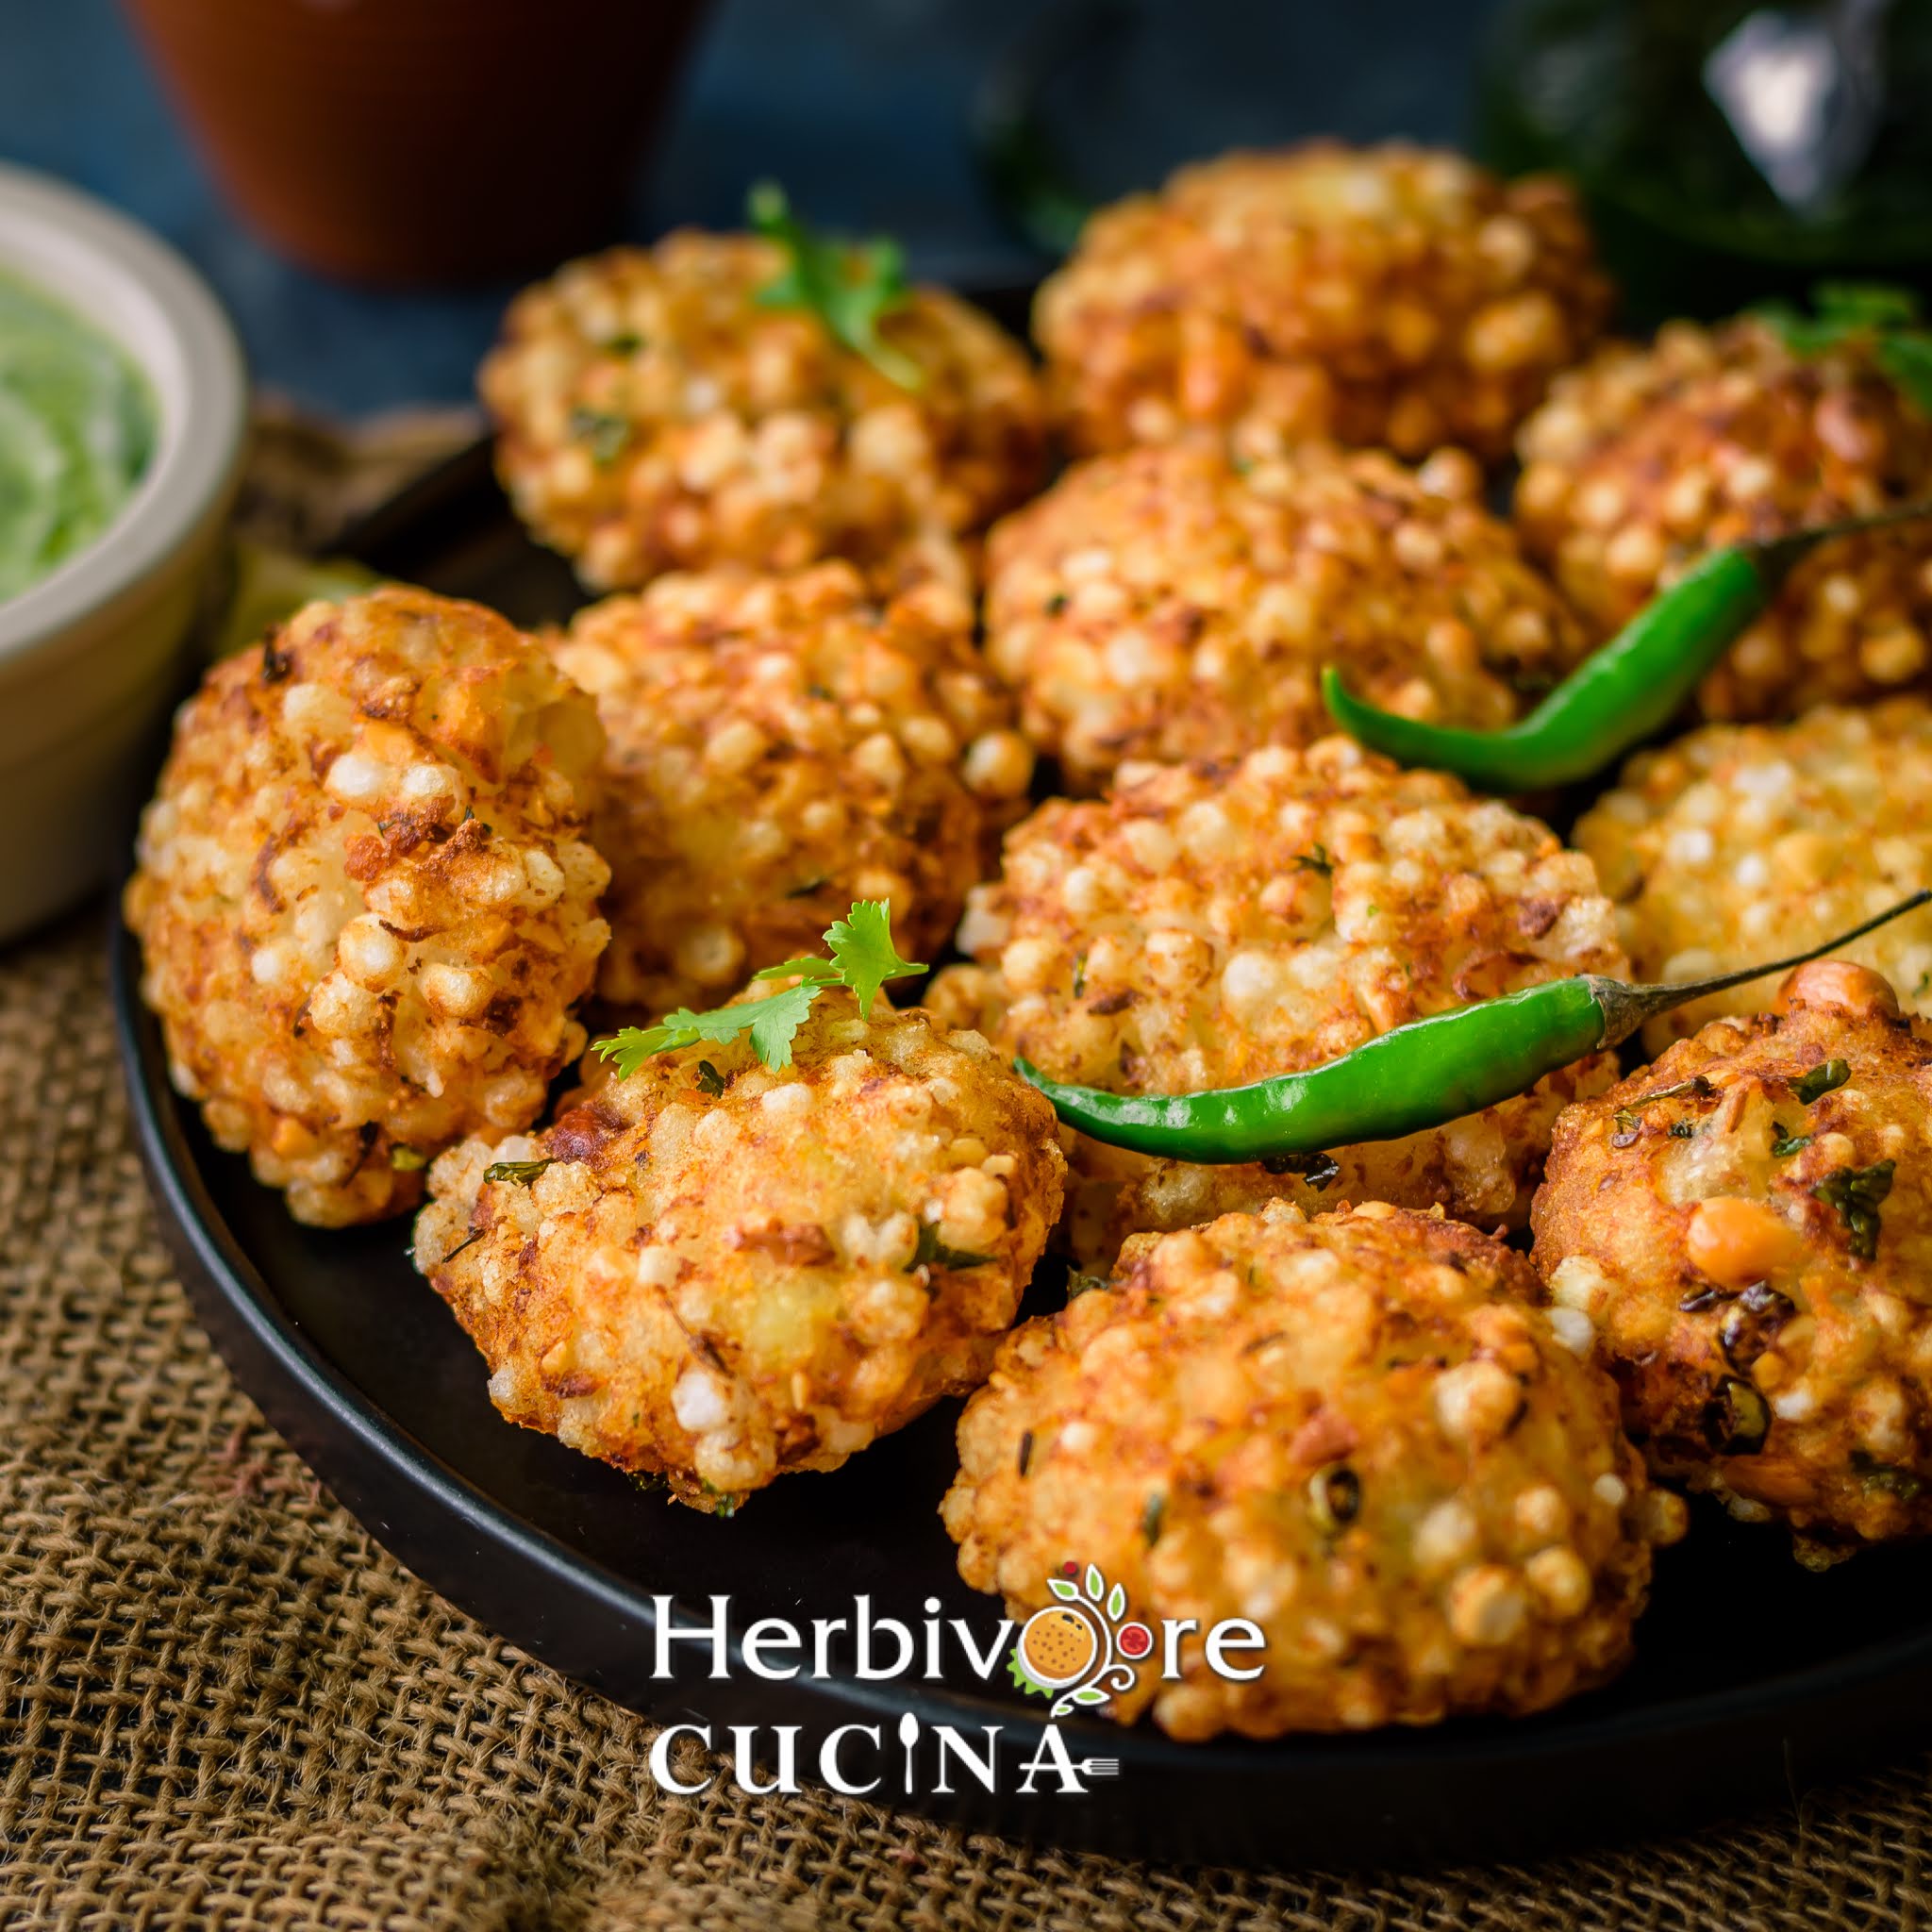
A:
x: 91, y: 654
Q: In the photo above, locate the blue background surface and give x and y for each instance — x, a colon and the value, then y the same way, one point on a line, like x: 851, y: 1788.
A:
x: 860, y: 107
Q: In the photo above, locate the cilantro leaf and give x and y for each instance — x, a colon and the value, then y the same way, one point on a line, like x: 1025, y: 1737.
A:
x: 1856, y: 1192
x: 1887, y: 319
x: 778, y: 1020
x: 605, y: 436
x: 521, y: 1172
x: 1907, y: 360
x: 933, y: 1253
x: 1865, y: 304
x: 1152, y: 1516
x: 863, y: 952
x: 1801, y: 334
x: 807, y: 966
x: 770, y: 1022
x: 863, y: 957
x: 851, y: 287
x: 1887, y: 1478
x: 1827, y: 1076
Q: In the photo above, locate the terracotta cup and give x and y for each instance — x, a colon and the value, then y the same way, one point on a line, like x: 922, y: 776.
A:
x: 422, y: 141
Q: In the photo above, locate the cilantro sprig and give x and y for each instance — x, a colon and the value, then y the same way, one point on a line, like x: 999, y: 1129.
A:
x: 1858, y: 1193
x: 850, y: 286
x: 863, y: 958
x: 1890, y: 319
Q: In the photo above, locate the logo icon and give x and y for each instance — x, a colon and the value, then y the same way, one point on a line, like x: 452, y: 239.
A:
x: 1081, y: 1649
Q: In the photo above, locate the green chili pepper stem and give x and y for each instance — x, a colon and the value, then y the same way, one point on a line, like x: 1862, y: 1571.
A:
x: 1777, y: 557
x: 1619, y: 695
x: 1627, y: 1008
x: 1411, y: 1078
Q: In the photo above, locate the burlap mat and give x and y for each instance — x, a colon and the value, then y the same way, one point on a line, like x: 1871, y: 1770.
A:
x: 222, y: 1703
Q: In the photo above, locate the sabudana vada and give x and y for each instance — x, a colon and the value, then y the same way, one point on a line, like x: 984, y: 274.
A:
x: 1747, y: 1227
x: 1649, y: 456
x: 365, y: 900
x: 715, y: 1273
x: 1206, y: 925
x: 1358, y: 1433
x: 654, y: 413
x: 1170, y: 603
x: 1384, y: 296
x: 777, y: 747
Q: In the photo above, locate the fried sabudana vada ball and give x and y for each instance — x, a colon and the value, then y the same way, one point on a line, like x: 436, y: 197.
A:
x: 715, y: 1273
x: 1355, y: 1431
x: 777, y: 748
x: 1740, y: 841
x: 1205, y: 926
x: 1170, y: 603
x: 1388, y: 295
x: 1748, y: 1225
x: 651, y: 414
x: 366, y: 903
x: 1647, y: 458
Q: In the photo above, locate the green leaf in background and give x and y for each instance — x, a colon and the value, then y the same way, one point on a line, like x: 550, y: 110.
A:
x: 271, y: 585
x: 1866, y: 304
x: 1886, y: 317
x: 1907, y: 360
x: 850, y: 286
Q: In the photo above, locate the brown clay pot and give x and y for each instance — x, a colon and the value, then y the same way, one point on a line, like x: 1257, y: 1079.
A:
x: 422, y: 141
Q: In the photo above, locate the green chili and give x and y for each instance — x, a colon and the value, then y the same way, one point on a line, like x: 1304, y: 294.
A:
x: 1412, y: 1078
x: 1621, y: 694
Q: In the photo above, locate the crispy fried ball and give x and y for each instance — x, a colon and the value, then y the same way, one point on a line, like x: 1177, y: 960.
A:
x: 1387, y: 296
x: 715, y: 1273
x: 1745, y: 842
x: 653, y: 415
x: 779, y: 747
x: 1355, y: 1432
x: 1167, y: 604
x: 366, y: 905
x: 1205, y: 926
x: 1648, y: 457
x: 1748, y: 1225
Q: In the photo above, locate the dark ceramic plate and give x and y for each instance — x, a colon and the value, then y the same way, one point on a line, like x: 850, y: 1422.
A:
x: 1754, y: 1679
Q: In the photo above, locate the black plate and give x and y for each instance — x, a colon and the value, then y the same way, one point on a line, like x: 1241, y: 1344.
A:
x: 1754, y: 1680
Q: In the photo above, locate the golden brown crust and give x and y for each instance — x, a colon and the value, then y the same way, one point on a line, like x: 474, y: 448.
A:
x: 724, y: 1273
x: 779, y: 747
x: 1713, y: 1234
x: 1646, y: 457
x: 366, y: 905
x: 1388, y: 295
x: 1204, y: 927
x: 1740, y: 843
x: 653, y: 415
x: 1167, y: 604
x: 1355, y: 1431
